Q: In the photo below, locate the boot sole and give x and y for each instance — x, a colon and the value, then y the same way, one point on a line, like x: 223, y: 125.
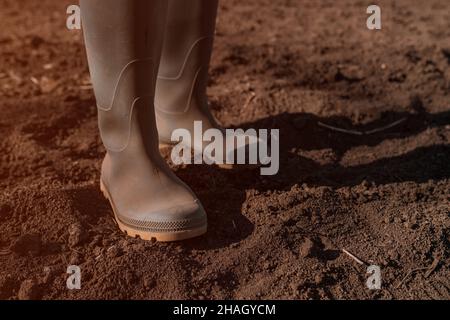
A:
x: 152, y: 236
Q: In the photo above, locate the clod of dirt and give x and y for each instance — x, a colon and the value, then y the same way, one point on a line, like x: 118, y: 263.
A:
x: 47, y: 85
x: 307, y: 248
x: 319, y: 278
x: 27, y: 243
x: 76, y: 235
x: 29, y: 290
x: 149, y: 283
x: 413, y: 56
x: 114, y: 252
x: 350, y: 73
x: 397, y: 76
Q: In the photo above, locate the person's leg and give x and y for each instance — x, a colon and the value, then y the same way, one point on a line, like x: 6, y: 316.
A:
x: 180, y: 97
x: 183, y: 73
x: 123, y: 42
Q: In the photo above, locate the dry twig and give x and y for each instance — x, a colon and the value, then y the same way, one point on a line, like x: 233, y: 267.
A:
x: 360, y: 133
x: 249, y: 100
x: 359, y: 261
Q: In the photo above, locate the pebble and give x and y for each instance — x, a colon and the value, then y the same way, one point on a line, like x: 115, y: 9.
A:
x: 76, y: 235
x: 351, y: 73
x: 307, y: 248
x: 149, y: 283
x: 114, y: 252
x: 318, y: 279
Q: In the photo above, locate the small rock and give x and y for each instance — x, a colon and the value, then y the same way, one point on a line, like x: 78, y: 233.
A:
x: 307, y: 248
x: 267, y: 265
x: 393, y: 255
x: 413, y: 56
x: 27, y: 243
x: 29, y: 290
x: 350, y: 73
x: 149, y: 283
x: 397, y: 76
x: 318, y: 279
x: 47, y: 85
x: 76, y: 235
x: 114, y: 252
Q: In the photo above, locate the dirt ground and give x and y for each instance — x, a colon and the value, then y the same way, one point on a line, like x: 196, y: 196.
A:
x: 302, y: 66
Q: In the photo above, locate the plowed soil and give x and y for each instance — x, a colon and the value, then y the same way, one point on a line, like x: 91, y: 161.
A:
x: 380, y: 190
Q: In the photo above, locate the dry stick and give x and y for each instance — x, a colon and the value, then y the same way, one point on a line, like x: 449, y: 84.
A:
x: 65, y: 260
x: 34, y: 80
x: 396, y: 123
x: 408, y: 275
x: 357, y: 133
x: 75, y: 250
x: 249, y: 100
x: 360, y: 133
x: 429, y: 270
x: 433, y: 267
x: 234, y: 225
x: 354, y: 257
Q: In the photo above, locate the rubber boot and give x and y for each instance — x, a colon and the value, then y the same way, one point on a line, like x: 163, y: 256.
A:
x: 123, y: 42
x: 183, y: 72
x: 181, y: 98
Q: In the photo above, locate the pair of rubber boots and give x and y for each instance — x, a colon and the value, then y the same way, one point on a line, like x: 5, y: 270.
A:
x: 149, y: 62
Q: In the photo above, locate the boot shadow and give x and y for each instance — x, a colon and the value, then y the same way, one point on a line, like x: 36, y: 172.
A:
x: 223, y: 194
x: 305, y: 132
x: 220, y: 194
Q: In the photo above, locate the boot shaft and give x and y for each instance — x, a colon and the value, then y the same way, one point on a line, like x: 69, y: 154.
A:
x: 188, y: 41
x: 123, y: 41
